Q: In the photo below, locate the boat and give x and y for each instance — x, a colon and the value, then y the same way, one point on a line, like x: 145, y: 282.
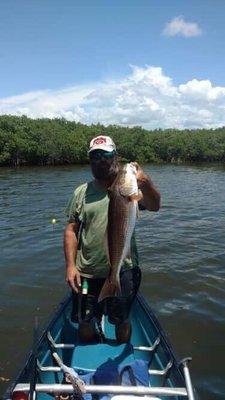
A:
x: 60, y: 367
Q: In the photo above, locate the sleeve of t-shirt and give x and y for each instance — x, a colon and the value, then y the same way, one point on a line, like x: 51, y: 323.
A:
x: 74, y: 208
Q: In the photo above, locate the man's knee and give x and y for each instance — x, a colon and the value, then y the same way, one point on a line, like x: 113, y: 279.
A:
x: 87, y: 332
x: 123, y: 332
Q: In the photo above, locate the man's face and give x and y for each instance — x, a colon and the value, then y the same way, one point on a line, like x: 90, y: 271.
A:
x: 103, y: 164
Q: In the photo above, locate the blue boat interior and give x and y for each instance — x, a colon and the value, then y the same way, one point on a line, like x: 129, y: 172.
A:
x: 86, y: 359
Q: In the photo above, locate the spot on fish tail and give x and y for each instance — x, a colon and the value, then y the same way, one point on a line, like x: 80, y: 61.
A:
x: 109, y: 289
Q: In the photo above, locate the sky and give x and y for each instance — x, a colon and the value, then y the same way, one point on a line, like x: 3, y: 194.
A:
x: 156, y: 64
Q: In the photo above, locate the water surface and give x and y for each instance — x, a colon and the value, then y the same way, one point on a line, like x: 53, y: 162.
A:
x: 181, y: 255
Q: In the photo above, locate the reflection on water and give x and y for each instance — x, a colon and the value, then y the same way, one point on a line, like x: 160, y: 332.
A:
x: 181, y: 252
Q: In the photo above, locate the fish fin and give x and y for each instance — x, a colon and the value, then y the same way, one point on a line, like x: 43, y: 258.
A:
x: 110, y: 289
x: 136, y: 196
x: 127, y: 198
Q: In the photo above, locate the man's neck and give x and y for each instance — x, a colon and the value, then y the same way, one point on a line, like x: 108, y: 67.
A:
x: 102, y: 183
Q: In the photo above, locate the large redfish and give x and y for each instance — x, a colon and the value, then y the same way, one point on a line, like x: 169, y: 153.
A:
x: 122, y: 214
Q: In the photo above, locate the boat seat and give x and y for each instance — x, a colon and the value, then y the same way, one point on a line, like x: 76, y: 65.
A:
x: 89, y: 357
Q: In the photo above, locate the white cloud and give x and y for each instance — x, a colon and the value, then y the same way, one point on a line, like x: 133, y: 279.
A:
x: 202, y: 90
x: 179, y: 27
x: 145, y: 97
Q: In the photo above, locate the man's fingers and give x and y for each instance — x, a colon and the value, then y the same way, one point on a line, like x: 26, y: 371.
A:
x: 71, y: 283
x: 73, y: 279
x: 135, y: 164
x: 74, y: 285
x: 77, y: 282
x: 138, y: 168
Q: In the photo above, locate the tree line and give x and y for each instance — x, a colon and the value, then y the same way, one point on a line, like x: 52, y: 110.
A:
x: 25, y: 141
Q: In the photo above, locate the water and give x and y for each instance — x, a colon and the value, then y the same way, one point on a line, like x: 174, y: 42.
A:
x: 181, y: 252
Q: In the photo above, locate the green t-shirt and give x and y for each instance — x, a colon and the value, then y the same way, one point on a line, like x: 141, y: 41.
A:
x: 89, y: 207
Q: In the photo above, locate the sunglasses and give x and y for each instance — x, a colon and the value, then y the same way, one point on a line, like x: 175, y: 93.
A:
x: 99, y: 154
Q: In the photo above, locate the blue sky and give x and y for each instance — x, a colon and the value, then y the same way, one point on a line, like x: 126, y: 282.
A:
x: 58, y: 48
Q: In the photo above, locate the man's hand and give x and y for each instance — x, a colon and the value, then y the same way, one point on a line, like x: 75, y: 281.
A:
x: 151, y: 196
x: 70, y: 249
x: 73, y: 278
x: 140, y: 175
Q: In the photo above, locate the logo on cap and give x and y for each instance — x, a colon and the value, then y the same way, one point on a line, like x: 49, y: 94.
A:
x: 100, y: 140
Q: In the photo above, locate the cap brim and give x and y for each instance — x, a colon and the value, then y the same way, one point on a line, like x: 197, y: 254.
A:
x: 101, y: 147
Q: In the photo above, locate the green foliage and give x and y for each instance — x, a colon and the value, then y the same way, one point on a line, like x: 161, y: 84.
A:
x: 24, y: 141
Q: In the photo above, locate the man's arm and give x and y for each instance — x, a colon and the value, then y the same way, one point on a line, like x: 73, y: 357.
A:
x: 151, y: 196
x: 70, y: 251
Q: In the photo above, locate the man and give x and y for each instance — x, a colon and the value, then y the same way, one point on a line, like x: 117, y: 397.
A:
x: 86, y: 259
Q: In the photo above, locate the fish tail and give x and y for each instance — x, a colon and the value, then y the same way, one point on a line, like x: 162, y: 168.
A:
x: 110, y: 289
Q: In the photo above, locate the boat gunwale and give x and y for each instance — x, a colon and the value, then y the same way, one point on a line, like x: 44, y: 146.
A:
x: 163, y: 336
x: 28, y: 357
